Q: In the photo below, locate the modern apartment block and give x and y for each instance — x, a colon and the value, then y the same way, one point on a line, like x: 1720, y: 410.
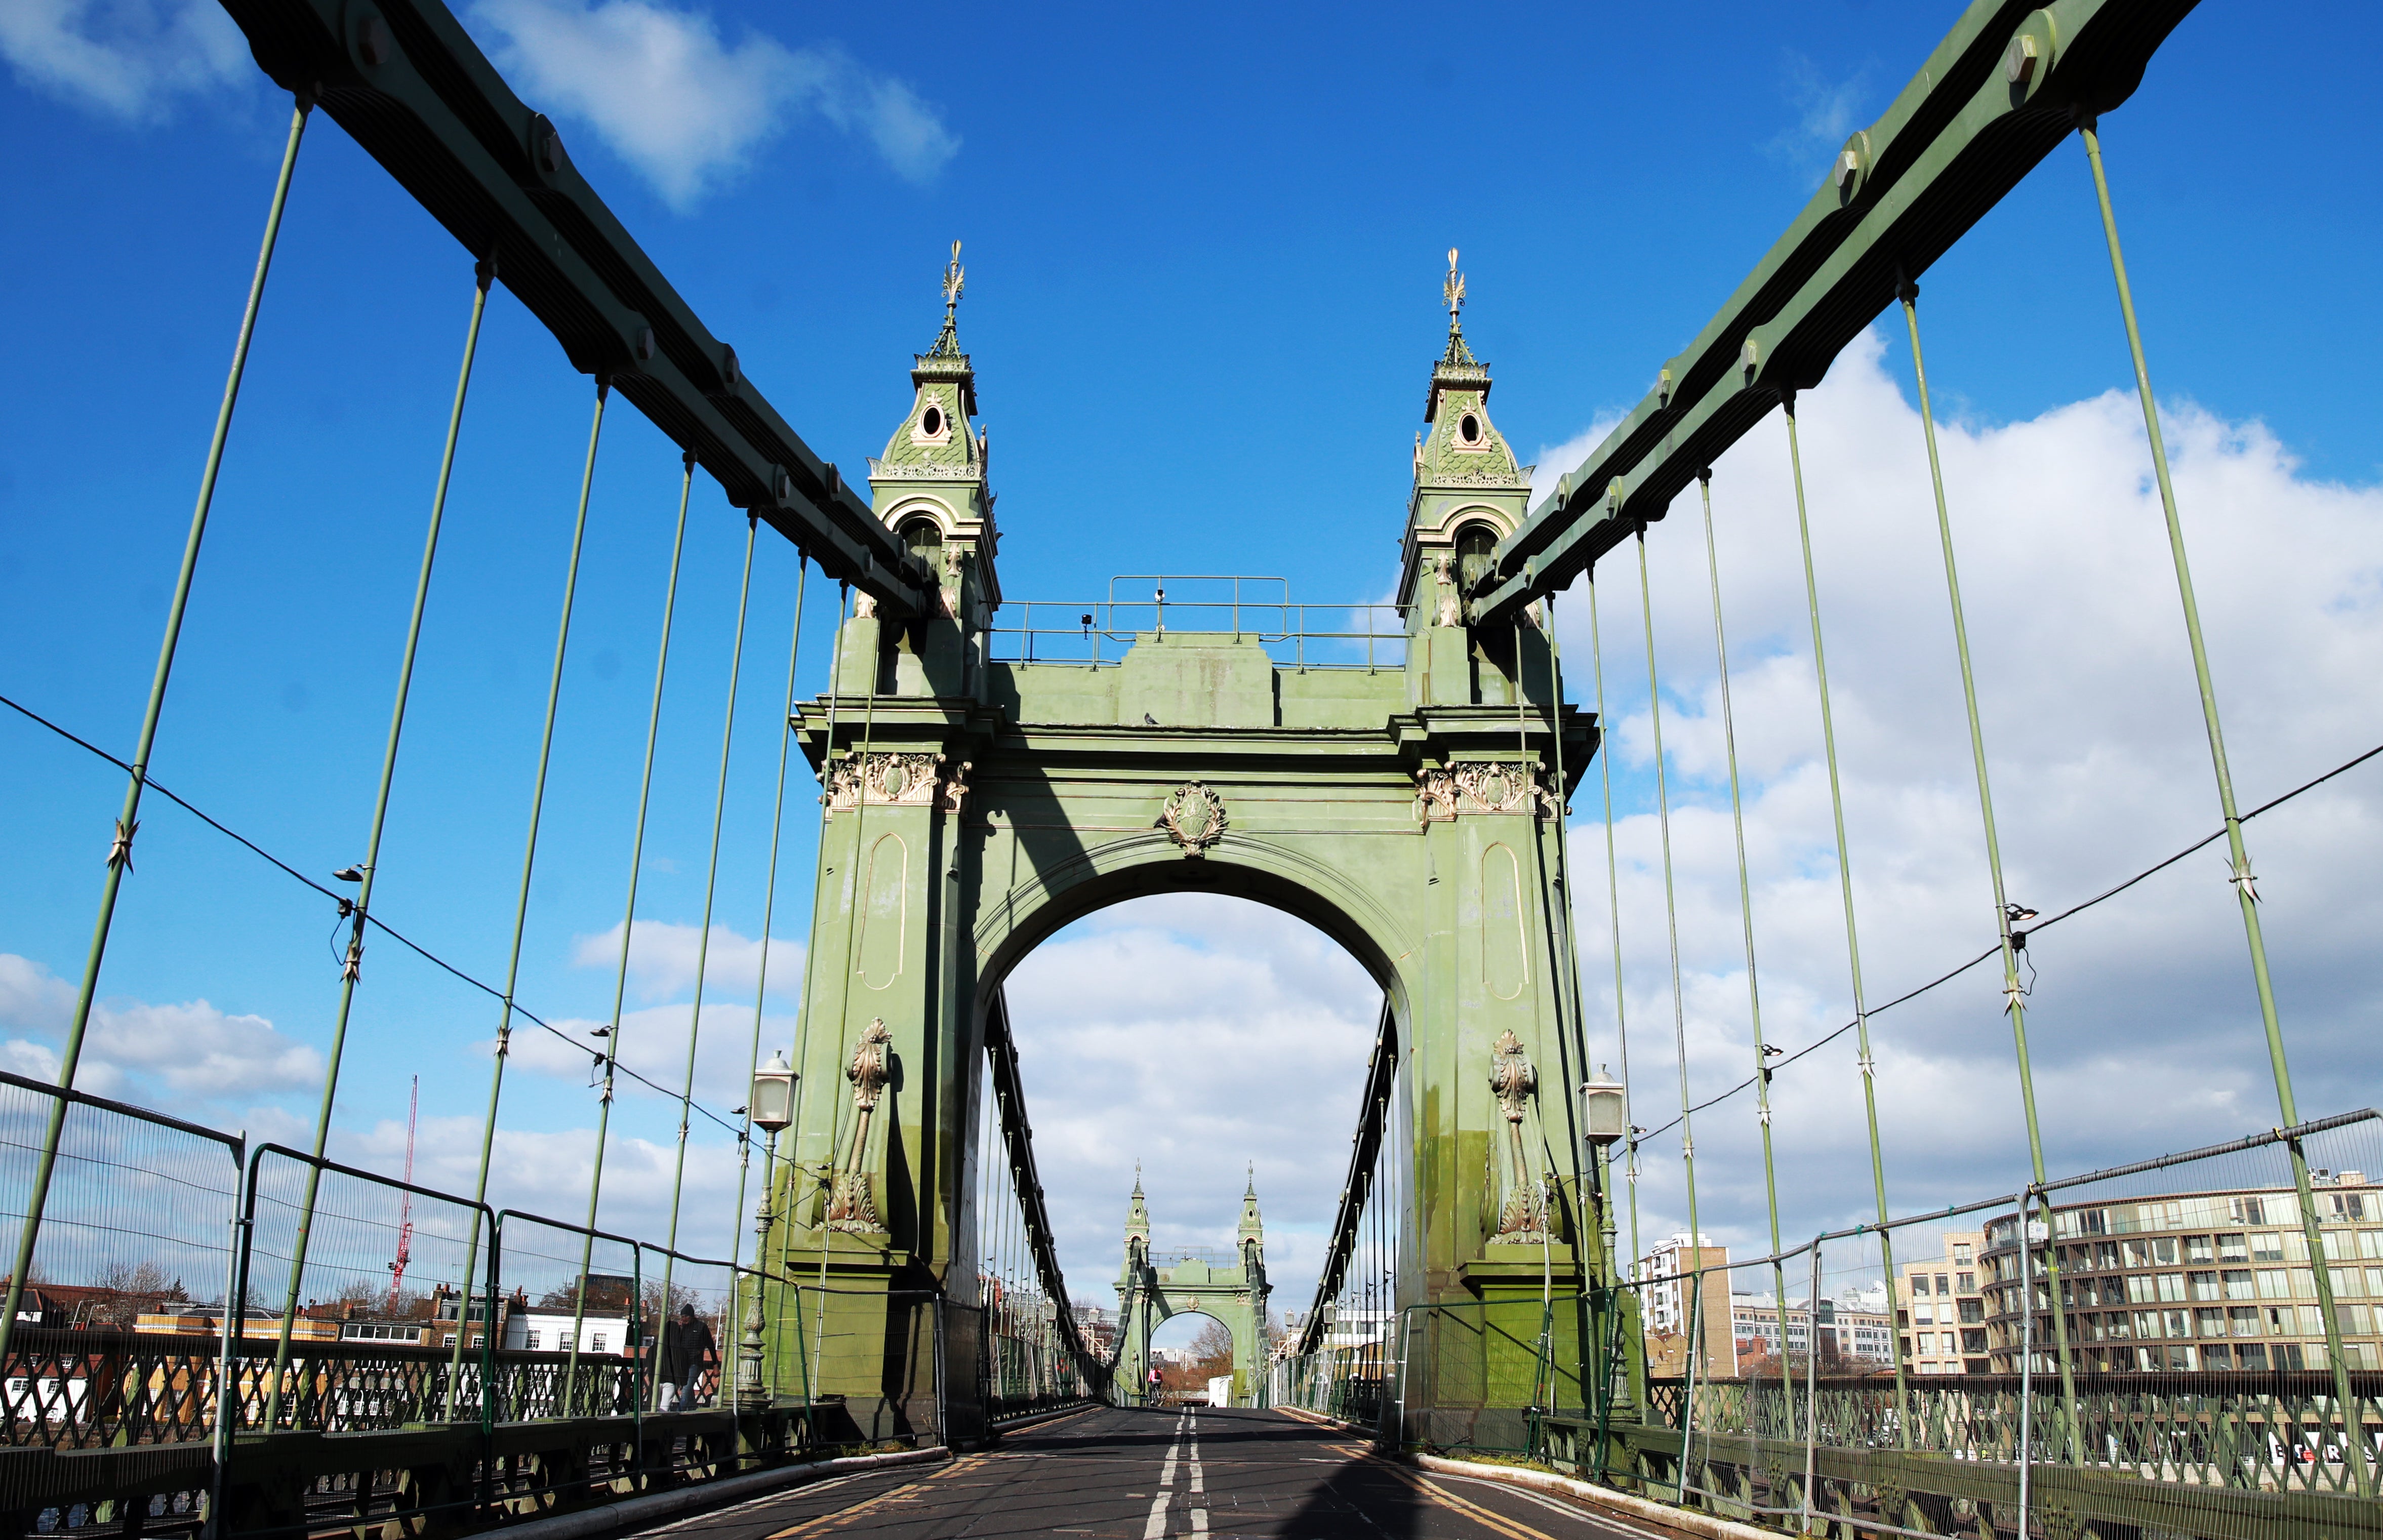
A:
x: 1940, y: 1309
x: 1665, y: 1305
x: 2199, y: 1281
x: 1853, y: 1329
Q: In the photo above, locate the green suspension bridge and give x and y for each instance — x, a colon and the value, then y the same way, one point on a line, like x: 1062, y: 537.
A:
x: 988, y: 771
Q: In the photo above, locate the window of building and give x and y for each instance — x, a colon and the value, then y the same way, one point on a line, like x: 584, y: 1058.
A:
x: 2164, y: 1250
x: 2105, y: 1254
x: 2199, y: 1247
x: 2234, y: 1248
x: 2204, y: 1286
x: 2172, y: 1286
x: 923, y: 538
x: 1468, y: 430
x: 2139, y: 1254
x: 596, y: 1344
x: 1966, y: 1283
x: 2141, y: 1289
x: 2266, y: 1246
x: 2251, y: 1355
x: 2217, y: 1355
x: 2147, y: 1323
x: 1961, y: 1257
x: 2348, y: 1205
x: 2238, y: 1282
x: 1944, y: 1285
x: 931, y: 422
x: 533, y: 1342
x: 2243, y: 1320
x: 2274, y: 1283
x: 1920, y: 1283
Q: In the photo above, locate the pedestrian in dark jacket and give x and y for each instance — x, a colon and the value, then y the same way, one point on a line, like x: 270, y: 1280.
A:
x: 686, y: 1351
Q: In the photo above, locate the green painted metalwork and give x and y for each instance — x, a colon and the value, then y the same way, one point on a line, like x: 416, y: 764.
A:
x: 2014, y: 997
x: 1156, y: 1285
x: 2237, y: 854
x: 536, y: 817
x: 710, y: 887
x: 611, y: 1049
x: 1966, y: 130
x: 128, y: 822
x: 1746, y: 923
x: 359, y: 912
x: 1868, y: 1064
x: 415, y: 91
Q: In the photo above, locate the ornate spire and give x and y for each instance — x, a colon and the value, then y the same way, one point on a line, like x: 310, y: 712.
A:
x: 1452, y: 290
x: 947, y: 341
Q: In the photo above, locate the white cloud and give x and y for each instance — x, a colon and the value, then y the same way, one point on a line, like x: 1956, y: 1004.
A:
x: 1557, y: 461
x: 191, y: 1050
x: 2145, y: 1034
x: 128, y: 59
x: 686, y: 109
x: 1197, y: 1034
x: 1824, y: 110
x: 662, y: 960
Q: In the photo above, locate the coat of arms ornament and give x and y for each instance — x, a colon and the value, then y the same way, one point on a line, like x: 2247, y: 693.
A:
x: 1480, y: 786
x: 1194, y: 818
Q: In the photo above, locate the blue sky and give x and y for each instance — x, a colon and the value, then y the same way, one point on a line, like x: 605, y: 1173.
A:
x: 1203, y: 255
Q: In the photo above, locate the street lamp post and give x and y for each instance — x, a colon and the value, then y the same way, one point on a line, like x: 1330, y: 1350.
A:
x: 773, y: 1104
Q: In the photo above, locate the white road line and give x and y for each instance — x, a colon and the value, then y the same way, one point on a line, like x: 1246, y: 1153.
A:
x: 1199, y: 1520
x: 1157, y: 1528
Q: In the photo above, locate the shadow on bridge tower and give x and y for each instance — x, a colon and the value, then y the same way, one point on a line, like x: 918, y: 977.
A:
x: 1402, y: 796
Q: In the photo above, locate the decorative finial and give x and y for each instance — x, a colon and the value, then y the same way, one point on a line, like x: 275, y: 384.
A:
x: 1451, y: 288
x: 955, y: 278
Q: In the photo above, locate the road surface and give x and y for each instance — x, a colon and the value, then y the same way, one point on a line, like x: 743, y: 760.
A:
x: 1132, y: 1474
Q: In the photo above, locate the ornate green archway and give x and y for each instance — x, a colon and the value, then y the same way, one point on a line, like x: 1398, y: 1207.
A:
x: 977, y: 802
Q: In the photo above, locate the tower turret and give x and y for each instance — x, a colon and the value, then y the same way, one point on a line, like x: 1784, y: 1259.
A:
x: 931, y: 487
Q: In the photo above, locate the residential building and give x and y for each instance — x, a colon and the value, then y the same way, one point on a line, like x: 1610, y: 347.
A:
x: 1665, y: 1308
x: 1853, y: 1329
x: 1940, y: 1310
x: 2210, y: 1280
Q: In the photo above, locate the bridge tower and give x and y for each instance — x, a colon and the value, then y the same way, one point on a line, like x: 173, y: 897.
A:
x: 978, y: 801
x: 1156, y: 1285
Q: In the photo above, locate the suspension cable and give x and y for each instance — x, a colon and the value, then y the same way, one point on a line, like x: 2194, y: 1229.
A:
x: 760, y: 996
x: 1853, y: 936
x: 2014, y: 998
x: 629, y: 921
x: 710, y: 887
x: 352, y: 969
x: 1753, y: 988
x: 1614, y: 918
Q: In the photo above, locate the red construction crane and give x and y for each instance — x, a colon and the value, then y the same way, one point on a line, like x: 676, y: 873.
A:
x: 405, y: 1214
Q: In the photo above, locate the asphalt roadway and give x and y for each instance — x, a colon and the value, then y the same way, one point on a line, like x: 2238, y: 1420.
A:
x: 1142, y: 1475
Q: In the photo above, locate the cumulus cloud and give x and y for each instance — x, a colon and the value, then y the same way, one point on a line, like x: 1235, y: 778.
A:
x: 2144, y: 1033
x: 191, y: 1050
x: 127, y: 59
x: 1824, y: 111
x: 686, y: 108
x: 1199, y: 1035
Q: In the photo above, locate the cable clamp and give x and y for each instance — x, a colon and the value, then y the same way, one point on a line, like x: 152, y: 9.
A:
x: 1764, y: 1115
x: 1687, y: 1148
x: 2242, y: 876
x: 2012, y: 995
x: 353, y: 970
x: 119, y: 853
x: 1868, y: 1066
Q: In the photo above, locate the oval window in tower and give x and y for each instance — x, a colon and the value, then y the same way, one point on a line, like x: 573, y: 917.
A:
x: 931, y: 422
x: 1468, y: 430
x: 923, y: 538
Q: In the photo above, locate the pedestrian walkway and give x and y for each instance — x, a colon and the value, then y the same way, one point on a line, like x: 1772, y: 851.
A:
x: 1133, y: 1474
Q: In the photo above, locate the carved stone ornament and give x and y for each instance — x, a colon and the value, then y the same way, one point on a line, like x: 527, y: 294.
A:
x: 892, y: 780
x: 854, y: 1207
x: 1450, y: 610
x: 1492, y: 786
x: 1194, y: 818
x: 955, y: 787
x: 864, y: 606
x: 1523, y: 1218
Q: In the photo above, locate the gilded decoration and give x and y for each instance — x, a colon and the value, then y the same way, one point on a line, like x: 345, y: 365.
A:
x: 1487, y: 786
x: 1193, y: 818
x: 1523, y: 1218
x: 892, y: 780
x: 854, y: 1208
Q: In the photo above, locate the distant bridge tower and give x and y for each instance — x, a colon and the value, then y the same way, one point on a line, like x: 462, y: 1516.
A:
x: 1230, y: 1288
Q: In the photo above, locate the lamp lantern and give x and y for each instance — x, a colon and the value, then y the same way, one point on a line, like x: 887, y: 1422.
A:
x: 1602, y: 1109
x: 773, y: 1094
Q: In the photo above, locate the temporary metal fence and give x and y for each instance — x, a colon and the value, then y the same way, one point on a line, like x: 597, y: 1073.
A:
x: 2194, y: 1378
x: 119, y: 1328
